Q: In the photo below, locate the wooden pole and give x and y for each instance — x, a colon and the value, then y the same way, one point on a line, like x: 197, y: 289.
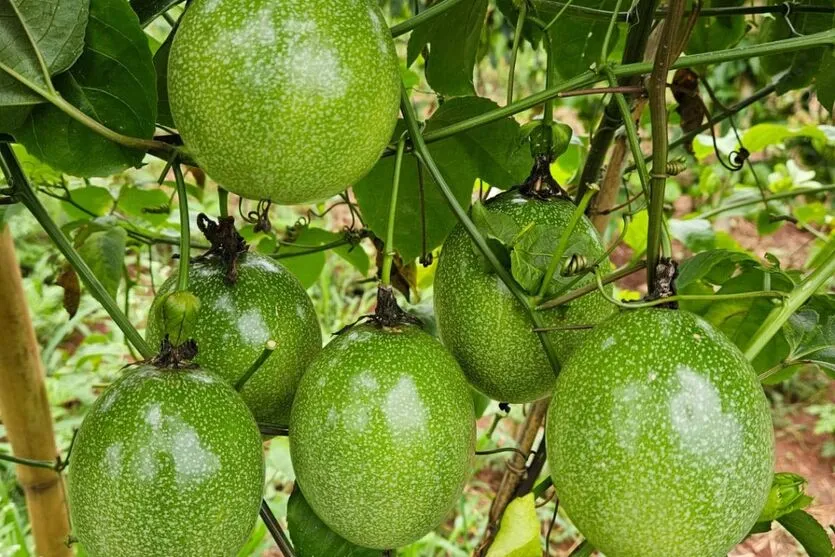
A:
x: 24, y: 409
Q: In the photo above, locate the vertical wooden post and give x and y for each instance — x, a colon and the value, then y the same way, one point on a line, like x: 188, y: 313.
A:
x: 24, y: 409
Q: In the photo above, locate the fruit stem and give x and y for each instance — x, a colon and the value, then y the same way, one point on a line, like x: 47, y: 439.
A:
x: 272, y: 524
x: 25, y: 194
x: 269, y: 348
x: 542, y: 487
x: 272, y: 430
x: 223, y: 202
x: 517, y: 40
x: 388, y: 257
x: 779, y: 315
x: 589, y: 288
x: 604, y: 53
x: 185, y: 228
x: 562, y: 245
x: 687, y: 297
x: 50, y: 465
x: 550, y: 78
x: 425, y: 157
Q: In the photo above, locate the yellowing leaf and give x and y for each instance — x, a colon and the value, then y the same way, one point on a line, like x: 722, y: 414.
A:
x: 519, y: 531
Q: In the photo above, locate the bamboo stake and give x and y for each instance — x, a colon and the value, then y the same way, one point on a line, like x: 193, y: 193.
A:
x: 25, y: 411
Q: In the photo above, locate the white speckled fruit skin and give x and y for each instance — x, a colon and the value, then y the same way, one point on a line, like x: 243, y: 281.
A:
x: 382, y: 435
x: 659, y: 438
x: 289, y: 100
x: 236, y: 321
x: 488, y: 330
x: 167, y: 462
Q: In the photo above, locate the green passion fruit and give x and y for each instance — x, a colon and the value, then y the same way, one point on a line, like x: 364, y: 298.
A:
x: 167, y: 462
x: 382, y: 434
x: 659, y: 438
x: 235, y: 321
x: 266, y: 95
x: 487, y: 329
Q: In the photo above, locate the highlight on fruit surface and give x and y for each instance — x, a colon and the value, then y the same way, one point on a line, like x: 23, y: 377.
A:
x: 167, y: 462
x: 487, y: 330
x: 382, y: 434
x: 659, y: 437
x: 266, y: 94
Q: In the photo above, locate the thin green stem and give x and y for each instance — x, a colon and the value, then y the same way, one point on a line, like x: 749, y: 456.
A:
x: 265, y: 354
x: 594, y: 13
x: 422, y: 152
x: 588, y: 78
x: 313, y: 249
x: 686, y: 297
x: 657, y: 89
x: 388, y: 256
x: 589, y: 288
x: 604, y: 54
x: 782, y: 195
x: 517, y: 41
x: 585, y: 549
x: 30, y: 462
x: 26, y: 195
x: 223, y: 202
x: 185, y: 229
x: 562, y: 245
x: 558, y: 16
x: 423, y: 17
x: 631, y: 133
x: 550, y: 78
x: 542, y: 487
x: 779, y: 315
x: 73, y: 112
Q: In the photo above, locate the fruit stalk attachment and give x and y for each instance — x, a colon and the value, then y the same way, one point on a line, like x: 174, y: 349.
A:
x: 226, y: 243
x: 269, y: 348
x: 273, y: 526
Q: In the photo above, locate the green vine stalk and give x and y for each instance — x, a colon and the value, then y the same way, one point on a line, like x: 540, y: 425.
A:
x: 24, y: 193
x: 425, y: 157
x: 185, y: 229
x: 388, y: 256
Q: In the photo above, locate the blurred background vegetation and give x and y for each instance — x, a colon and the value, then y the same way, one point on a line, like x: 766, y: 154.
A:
x: 85, y: 352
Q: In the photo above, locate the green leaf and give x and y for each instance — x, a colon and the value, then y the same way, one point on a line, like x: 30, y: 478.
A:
x: 758, y: 137
x: 94, y: 201
x: 518, y: 534
x: 636, y: 234
x: 717, y: 33
x: 113, y: 82
x: 498, y: 229
x: 161, y: 66
x: 453, y: 41
x: 808, y: 532
x: 715, y: 266
x: 576, y: 41
x: 151, y: 205
x: 826, y: 82
x: 811, y: 213
x: 810, y: 332
x: 148, y: 10
x: 312, y: 537
x: 531, y: 255
x: 490, y: 152
x: 787, y: 494
x: 801, y: 66
x: 307, y: 268
x: 104, y: 252
x: 696, y: 234
x: 57, y: 29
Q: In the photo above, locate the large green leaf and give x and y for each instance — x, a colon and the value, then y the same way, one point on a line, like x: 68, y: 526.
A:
x: 490, y: 152
x: 717, y: 33
x: 53, y: 28
x: 151, y: 205
x: 803, y: 65
x: 810, y: 333
x: 518, y: 534
x: 576, y: 41
x: 312, y: 537
x: 113, y: 82
x: 809, y: 533
x: 453, y: 41
x: 103, y: 248
x: 161, y: 65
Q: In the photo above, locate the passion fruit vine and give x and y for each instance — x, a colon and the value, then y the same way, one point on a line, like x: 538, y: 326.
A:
x: 382, y: 434
x: 167, y: 462
x: 659, y: 437
x: 266, y: 94
x: 487, y: 330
